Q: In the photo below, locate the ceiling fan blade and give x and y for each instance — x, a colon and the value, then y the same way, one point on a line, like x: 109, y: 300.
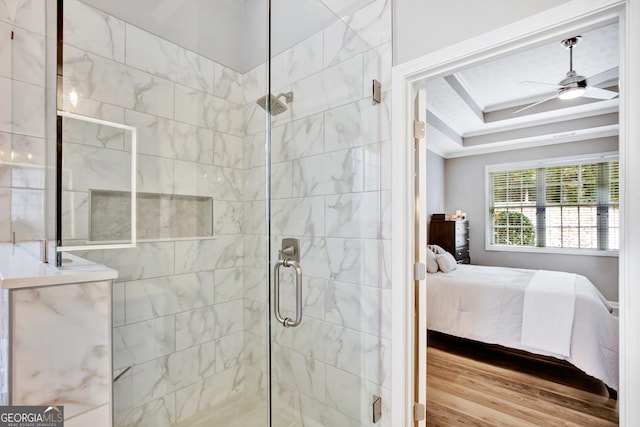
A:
x: 540, y: 83
x: 597, y: 93
x: 611, y: 74
x: 555, y: 95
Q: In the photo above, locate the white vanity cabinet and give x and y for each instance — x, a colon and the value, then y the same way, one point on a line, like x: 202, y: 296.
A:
x: 55, y: 334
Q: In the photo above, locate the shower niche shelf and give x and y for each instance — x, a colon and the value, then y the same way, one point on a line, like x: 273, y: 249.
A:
x: 159, y: 216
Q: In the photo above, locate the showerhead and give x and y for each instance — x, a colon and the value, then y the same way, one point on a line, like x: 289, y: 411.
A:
x: 277, y: 106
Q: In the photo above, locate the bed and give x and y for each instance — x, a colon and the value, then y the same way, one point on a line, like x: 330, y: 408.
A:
x: 494, y: 305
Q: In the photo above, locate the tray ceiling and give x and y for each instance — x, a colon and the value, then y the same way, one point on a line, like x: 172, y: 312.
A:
x: 475, y: 109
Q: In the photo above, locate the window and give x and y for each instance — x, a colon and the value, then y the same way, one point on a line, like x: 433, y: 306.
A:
x: 561, y: 203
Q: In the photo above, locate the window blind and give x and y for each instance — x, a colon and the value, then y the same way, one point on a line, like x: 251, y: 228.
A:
x: 574, y: 205
x: 513, y: 207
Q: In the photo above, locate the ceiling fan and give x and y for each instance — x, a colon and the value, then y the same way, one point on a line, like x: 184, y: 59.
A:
x: 573, y: 85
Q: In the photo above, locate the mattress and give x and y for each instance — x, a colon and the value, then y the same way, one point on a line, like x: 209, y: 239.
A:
x: 486, y: 304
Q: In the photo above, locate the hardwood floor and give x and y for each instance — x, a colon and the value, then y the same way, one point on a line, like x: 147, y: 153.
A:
x: 475, y: 384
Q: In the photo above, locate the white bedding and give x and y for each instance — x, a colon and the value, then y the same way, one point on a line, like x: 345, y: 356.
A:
x: 547, y: 312
x: 486, y: 304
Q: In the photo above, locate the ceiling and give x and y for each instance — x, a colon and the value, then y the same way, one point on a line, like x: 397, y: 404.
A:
x: 230, y: 32
x: 475, y: 110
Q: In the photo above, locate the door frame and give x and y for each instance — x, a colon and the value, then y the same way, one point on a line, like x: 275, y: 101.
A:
x: 546, y: 26
x: 419, y: 174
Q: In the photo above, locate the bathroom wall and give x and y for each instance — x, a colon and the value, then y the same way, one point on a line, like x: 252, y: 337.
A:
x: 419, y: 26
x: 330, y: 188
x: 189, y: 313
x: 4, y: 347
x: 22, y: 119
x: 191, y: 332
x: 178, y: 317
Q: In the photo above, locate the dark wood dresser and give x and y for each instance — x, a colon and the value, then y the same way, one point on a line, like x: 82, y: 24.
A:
x: 453, y: 236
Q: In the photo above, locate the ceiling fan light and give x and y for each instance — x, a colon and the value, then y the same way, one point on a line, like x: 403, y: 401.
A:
x: 572, y: 92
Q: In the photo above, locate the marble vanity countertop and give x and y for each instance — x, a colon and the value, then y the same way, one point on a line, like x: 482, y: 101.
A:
x: 20, y: 269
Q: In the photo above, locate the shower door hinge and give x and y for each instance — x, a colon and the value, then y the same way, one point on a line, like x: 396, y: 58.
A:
x: 376, y: 96
x: 418, y: 129
x: 419, y: 412
x: 377, y: 409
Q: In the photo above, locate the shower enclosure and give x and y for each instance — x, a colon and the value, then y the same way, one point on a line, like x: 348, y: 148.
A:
x: 227, y: 158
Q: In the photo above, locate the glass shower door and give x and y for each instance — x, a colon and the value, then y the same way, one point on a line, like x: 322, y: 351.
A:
x: 223, y: 174
x: 326, y: 195
x: 191, y: 286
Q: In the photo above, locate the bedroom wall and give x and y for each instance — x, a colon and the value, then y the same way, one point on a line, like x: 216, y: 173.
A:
x: 464, y: 190
x: 435, y: 184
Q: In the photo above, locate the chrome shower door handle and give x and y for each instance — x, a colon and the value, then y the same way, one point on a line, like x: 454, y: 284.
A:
x: 286, y: 321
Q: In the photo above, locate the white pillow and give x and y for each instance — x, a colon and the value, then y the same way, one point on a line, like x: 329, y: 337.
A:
x: 437, y: 249
x: 432, y: 262
x: 446, y: 262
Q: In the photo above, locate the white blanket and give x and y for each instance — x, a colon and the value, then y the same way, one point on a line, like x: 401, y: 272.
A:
x: 547, y: 311
x: 485, y: 304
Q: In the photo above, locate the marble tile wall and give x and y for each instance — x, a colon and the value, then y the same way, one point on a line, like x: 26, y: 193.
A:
x: 4, y: 347
x: 189, y: 314
x: 22, y: 119
x: 330, y: 185
x: 178, y: 303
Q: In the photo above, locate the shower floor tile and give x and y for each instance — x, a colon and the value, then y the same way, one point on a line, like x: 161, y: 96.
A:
x: 242, y: 411
x: 239, y: 410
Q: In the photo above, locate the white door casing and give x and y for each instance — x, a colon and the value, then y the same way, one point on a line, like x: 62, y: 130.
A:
x: 420, y: 256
